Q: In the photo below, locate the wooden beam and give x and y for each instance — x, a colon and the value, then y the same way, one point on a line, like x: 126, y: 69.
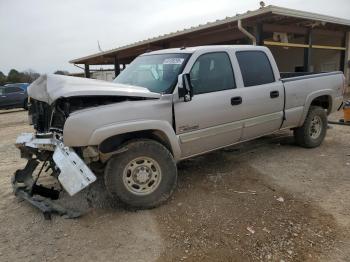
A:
x: 87, y: 71
x: 347, y: 60
x: 299, y: 30
x: 342, y: 55
x: 272, y: 43
x: 329, y: 47
x: 259, y: 34
x: 116, y: 66
x: 307, y: 51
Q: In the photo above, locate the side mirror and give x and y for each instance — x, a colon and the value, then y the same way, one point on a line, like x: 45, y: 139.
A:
x: 185, y: 87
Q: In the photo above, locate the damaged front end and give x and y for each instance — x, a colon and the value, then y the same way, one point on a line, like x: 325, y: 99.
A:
x: 46, y: 147
x: 53, y: 99
x: 65, y: 165
x: 69, y: 166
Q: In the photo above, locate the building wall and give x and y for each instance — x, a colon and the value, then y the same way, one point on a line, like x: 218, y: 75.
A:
x: 103, y: 75
x: 288, y: 58
x: 325, y: 60
x: 322, y: 60
x: 347, y: 60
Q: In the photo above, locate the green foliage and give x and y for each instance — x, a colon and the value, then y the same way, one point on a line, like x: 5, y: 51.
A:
x: 14, y: 76
x: 61, y: 72
x: 18, y: 77
x: 2, y: 78
x: 29, y: 76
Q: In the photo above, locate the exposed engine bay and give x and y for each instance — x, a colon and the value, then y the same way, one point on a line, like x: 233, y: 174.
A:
x: 48, y: 118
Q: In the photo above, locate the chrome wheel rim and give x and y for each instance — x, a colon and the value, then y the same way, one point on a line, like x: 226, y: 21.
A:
x: 315, y: 127
x: 142, y: 176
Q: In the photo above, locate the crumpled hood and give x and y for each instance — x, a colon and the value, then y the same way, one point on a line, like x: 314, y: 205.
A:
x: 48, y: 88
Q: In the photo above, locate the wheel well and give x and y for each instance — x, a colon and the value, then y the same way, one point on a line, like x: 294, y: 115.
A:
x: 113, y: 143
x: 323, y: 101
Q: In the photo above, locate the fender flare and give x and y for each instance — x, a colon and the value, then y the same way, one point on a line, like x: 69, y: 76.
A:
x: 104, y: 132
x: 311, y: 97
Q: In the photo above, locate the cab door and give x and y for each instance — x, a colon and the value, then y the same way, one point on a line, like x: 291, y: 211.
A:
x: 209, y: 120
x: 262, y: 94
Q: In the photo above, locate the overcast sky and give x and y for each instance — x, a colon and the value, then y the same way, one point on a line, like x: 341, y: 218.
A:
x: 44, y: 35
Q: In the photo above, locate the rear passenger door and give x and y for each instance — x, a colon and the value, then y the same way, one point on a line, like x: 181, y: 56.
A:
x: 208, y: 120
x: 262, y: 94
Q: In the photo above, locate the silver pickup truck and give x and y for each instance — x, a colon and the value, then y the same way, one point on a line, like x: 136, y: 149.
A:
x: 166, y: 106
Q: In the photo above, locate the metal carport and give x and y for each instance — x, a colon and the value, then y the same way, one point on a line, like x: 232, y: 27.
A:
x: 304, y: 36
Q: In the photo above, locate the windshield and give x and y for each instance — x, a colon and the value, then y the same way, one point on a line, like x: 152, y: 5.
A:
x: 158, y: 73
x: 2, y: 90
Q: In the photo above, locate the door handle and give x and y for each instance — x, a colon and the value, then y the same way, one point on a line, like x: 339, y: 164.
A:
x: 237, y: 100
x: 274, y: 94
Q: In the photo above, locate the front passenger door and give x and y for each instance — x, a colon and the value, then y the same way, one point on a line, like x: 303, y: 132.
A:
x: 207, y: 121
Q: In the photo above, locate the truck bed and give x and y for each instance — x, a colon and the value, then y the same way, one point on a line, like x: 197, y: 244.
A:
x: 291, y: 76
x: 301, y: 89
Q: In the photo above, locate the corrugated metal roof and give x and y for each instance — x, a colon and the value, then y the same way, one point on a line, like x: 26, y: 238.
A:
x: 268, y: 9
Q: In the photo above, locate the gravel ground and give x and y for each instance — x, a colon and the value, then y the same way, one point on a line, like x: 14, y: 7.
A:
x: 265, y: 200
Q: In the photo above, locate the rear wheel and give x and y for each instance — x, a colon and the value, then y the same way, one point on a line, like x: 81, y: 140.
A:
x: 144, y: 176
x: 312, y: 133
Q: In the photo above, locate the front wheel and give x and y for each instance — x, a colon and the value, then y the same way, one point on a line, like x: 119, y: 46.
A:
x: 144, y: 176
x: 25, y: 104
x: 312, y: 133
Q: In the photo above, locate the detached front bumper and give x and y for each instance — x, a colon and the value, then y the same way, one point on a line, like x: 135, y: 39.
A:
x: 71, y: 171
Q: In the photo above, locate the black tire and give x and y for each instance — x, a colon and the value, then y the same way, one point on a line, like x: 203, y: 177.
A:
x: 25, y: 104
x: 118, y: 170
x: 305, y: 135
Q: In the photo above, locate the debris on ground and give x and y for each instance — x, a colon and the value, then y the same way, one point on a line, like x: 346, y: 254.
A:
x: 266, y: 230
x: 204, y: 221
x: 280, y: 199
x: 251, y: 230
x: 248, y: 192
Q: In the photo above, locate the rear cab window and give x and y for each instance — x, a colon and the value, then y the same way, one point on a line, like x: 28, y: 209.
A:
x: 255, y: 67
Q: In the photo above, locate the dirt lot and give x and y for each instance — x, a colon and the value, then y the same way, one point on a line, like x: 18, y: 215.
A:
x: 259, y: 201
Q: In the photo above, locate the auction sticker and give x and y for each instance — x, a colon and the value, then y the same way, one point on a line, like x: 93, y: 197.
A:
x: 173, y: 61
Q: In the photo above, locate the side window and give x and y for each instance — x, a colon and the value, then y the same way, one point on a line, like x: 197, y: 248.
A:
x: 211, y: 73
x: 13, y: 89
x: 255, y: 67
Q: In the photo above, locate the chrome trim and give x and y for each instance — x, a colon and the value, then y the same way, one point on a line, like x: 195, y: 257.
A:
x: 229, y: 127
x: 263, y: 119
x: 210, y: 131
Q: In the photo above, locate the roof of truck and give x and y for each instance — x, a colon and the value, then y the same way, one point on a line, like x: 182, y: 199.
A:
x: 190, y: 50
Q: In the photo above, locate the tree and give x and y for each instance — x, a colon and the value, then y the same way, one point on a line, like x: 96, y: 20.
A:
x: 2, y: 78
x: 21, y: 77
x: 14, y: 76
x: 61, y: 72
x: 29, y: 76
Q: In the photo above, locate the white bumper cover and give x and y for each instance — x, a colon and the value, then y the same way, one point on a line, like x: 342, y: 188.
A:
x: 74, y: 175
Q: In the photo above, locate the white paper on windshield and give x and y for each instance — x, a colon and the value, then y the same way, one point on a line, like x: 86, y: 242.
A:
x: 173, y: 61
